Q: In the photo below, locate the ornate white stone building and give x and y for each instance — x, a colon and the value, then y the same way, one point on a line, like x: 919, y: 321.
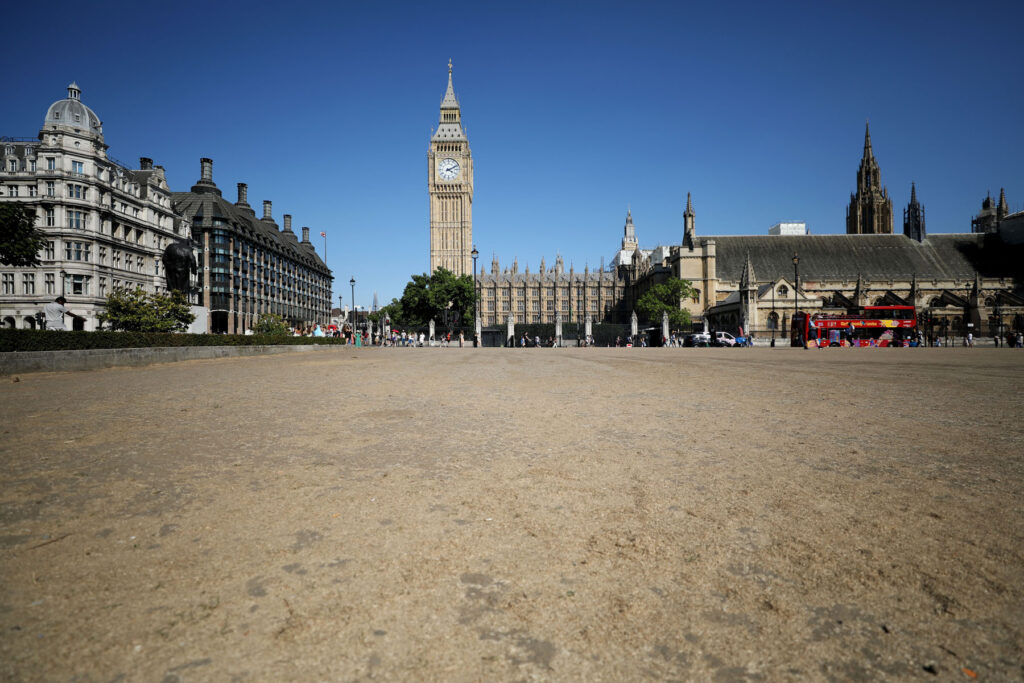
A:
x: 106, y: 224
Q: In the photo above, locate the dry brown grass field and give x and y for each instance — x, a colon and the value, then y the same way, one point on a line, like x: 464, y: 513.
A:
x: 539, y: 514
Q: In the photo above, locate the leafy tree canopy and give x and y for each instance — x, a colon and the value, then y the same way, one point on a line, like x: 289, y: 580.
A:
x: 20, y: 240
x: 666, y: 297
x: 136, y: 310
x: 427, y: 297
x: 392, y: 312
x: 272, y: 324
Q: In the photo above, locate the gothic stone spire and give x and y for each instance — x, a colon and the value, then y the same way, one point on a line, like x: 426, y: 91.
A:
x: 747, y: 278
x: 870, y: 209
x: 913, y: 217
x: 689, y: 227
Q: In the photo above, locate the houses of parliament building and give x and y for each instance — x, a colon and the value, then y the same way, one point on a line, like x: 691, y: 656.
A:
x: 958, y: 280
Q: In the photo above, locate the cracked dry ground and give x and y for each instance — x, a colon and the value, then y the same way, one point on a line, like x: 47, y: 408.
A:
x: 591, y: 514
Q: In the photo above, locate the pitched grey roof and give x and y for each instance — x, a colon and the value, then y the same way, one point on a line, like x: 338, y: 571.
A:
x: 212, y: 207
x: 844, y: 257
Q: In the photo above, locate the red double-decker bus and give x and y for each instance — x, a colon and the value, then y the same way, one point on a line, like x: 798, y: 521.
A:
x: 868, y: 326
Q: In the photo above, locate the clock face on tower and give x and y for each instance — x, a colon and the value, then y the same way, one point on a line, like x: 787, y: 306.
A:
x: 448, y: 169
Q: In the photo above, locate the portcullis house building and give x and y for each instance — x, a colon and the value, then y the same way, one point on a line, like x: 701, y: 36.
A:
x: 250, y: 266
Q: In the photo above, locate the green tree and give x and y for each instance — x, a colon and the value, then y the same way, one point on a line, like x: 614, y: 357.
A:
x: 666, y: 297
x: 426, y: 297
x: 391, y: 311
x: 136, y: 310
x: 20, y: 240
x: 272, y: 324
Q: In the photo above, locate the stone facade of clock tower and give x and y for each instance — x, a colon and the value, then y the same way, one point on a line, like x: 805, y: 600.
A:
x: 450, y: 182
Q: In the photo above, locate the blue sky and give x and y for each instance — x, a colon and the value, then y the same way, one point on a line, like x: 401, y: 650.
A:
x: 574, y: 111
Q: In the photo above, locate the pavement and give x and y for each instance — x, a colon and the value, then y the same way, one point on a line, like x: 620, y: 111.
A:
x: 497, y: 514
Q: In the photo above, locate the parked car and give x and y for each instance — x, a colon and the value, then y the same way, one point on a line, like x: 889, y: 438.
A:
x: 697, y: 339
x: 724, y: 339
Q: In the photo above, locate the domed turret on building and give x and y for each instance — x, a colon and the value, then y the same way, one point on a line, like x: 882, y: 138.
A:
x: 70, y: 112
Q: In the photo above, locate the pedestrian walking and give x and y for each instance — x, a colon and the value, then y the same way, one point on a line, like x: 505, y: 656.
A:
x: 55, y: 312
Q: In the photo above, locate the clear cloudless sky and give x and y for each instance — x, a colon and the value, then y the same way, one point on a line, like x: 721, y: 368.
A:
x: 574, y: 110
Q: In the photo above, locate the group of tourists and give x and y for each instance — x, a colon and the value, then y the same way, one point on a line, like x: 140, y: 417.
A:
x: 412, y: 339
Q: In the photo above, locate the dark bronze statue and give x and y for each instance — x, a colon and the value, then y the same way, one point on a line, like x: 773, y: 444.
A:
x: 179, y: 264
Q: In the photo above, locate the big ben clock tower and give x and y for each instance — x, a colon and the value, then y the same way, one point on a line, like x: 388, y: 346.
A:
x: 450, y: 181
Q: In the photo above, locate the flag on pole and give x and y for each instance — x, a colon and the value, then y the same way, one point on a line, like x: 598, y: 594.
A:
x: 323, y: 234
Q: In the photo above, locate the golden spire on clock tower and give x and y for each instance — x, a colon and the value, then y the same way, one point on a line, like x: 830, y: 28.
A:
x: 450, y: 185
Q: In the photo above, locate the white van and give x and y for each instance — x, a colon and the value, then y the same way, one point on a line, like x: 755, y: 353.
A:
x: 725, y: 339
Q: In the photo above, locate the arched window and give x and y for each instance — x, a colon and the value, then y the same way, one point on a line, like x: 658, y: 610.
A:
x: 773, y: 321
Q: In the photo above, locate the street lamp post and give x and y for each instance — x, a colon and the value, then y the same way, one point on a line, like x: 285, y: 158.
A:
x: 353, y: 325
x: 796, y: 291
x: 474, y: 254
x: 774, y: 318
x: 999, y: 324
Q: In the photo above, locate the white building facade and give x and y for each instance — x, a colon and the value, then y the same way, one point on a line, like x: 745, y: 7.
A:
x: 106, y: 225
x: 794, y: 228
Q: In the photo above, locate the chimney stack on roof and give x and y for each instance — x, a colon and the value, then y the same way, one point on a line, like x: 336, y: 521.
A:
x: 287, y: 222
x: 145, y: 163
x: 267, y: 204
x: 305, y: 235
x: 205, y: 185
x: 243, y: 193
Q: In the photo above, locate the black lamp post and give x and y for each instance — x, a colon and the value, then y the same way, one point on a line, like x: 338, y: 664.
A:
x: 999, y: 324
x: 796, y: 291
x: 353, y: 283
x: 774, y: 320
x: 474, y: 254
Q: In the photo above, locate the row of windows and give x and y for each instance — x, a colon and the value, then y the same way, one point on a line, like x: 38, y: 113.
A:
x: 115, y: 177
x: 264, y: 265
x: 74, y: 284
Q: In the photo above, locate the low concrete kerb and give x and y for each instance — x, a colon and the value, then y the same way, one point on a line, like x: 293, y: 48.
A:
x: 94, y: 359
